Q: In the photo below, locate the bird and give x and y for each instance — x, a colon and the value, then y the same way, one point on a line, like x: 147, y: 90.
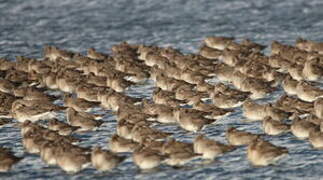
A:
x: 316, y: 138
x: 263, y: 153
x: 6, y: 86
x: 6, y: 100
x: 276, y: 113
x: 190, y: 120
x: 209, y: 53
x: 254, y: 111
x: 166, y: 97
x: 86, y: 121
x: 219, y: 43
x: 62, y: 128
x: 302, y: 128
x: 34, y: 110
x: 104, y: 160
x: 31, y: 93
x: 214, y: 111
x: 79, y: 104
x: 289, y: 85
x: 179, y: 153
x: 226, y: 101
x: 164, y: 113
x: 71, y: 161
x: 7, y: 159
x: 307, y: 91
x: 47, y: 152
x: 141, y: 132
x: 273, y: 127
x: 119, y: 144
x: 313, y: 70
x: 92, y: 53
x: 318, y: 107
x: 210, y: 148
x: 237, y: 137
x: 146, y: 158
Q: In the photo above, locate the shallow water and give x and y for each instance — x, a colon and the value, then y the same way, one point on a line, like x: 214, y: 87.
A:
x: 25, y: 26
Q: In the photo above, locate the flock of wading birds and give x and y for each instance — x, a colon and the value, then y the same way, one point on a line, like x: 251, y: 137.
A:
x: 99, y: 79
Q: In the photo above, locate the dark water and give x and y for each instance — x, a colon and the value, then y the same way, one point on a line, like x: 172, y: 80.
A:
x: 27, y: 25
